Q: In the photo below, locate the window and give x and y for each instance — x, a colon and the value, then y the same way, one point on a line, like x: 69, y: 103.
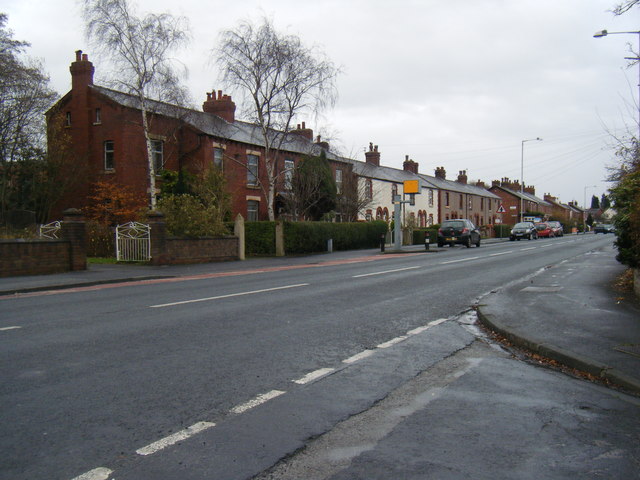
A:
x: 252, y: 170
x: 289, y: 165
x: 98, y: 119
x: 252, y: 210
x: 157, y: 151
x: 470, y: 202
x: 431, y: 197
x: 67, y: 119
x: 109, y: 163
x: 394, y: 192
x: 481, y: 203
x: 461, y: 201
x: 339, y: 181
x: 369, y: 189
x: 446, y: 199
x: 218, y: 157
x: 430, y: 219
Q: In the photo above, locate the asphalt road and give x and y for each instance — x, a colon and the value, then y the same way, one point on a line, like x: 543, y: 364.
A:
x: 92, y: 378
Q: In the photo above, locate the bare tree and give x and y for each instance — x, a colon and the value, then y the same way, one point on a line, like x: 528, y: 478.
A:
x: 140, y: 49
x: 625, y: 6
x: 354, y: 198
x: 279, y: 79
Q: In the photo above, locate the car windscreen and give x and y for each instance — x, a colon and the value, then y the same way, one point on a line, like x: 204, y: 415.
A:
x: 452, y: 225
x: 522, y: 225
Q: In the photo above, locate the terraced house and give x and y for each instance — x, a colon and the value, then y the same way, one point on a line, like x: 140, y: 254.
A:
x: 106, y: 134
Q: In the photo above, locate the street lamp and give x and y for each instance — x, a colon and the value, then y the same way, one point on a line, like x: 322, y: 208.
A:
x: 604, y: 33
x: 584, y: 212
x: 522, y: 175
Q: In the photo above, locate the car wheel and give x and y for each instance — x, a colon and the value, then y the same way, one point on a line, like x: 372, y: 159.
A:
x: 478, y: 243
x: 468, y: 242
x: 440, y: 245
x: 529, y: 237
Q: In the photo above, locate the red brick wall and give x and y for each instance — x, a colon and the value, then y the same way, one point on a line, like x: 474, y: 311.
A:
x: 33, y: 257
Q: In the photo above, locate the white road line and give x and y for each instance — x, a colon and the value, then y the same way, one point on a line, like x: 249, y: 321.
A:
x: 525, y: 249
x: 461, y: 260
x: 385, y: 271
x: 418, y: 330
x: 100, y: 473
x: 175, y: 438
x: 393, y: 341
x: 501, y: 253
x: 259, y: 400
x: 359, y: 356
x: 433, y: 323
x: 9, y: 328
x: 547, y: 245
x: 309, y: 377
x: 229, y: 295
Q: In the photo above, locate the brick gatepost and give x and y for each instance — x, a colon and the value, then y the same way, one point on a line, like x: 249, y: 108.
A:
x: 158, y: 235
x: 74, y: 231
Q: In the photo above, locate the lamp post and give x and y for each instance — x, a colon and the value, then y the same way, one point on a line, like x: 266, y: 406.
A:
x: 584, y: 213
x: 522, y: 175
x: 604, y: 33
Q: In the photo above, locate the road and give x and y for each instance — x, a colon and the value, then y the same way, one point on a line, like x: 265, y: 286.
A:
x: 104, y: 379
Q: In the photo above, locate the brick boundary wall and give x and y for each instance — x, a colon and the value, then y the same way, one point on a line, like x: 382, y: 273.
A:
x: 173, y: 251
x: 39, y: 257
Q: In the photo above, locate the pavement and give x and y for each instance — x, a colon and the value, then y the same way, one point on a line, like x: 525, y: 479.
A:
x: 571, y: 313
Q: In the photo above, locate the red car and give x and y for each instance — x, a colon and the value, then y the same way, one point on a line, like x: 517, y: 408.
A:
x: 544, y: 230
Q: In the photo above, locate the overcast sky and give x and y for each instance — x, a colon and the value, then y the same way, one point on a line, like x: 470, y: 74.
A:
x: 452, y: 83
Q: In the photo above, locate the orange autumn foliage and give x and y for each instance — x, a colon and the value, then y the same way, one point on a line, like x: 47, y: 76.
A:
x: 113, y: 204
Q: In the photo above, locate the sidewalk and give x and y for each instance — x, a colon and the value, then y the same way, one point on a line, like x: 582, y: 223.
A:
x: 573, y: 314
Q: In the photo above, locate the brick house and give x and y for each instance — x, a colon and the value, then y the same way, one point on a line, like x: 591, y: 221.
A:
x: 105, y: 131
x: 460, y: 199
x: 380, y: 184
x: 513, y: 197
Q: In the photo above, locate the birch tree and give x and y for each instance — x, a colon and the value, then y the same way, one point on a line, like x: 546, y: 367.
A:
x: 278, y: 79
x: 140, y: 49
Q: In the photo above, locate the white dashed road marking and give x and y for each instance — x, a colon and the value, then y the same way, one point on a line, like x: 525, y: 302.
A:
x: 175, y: 438
x: 383, y: 272
x: 100, y: 473
x: 310, y: 377
x: 219, y: 297
x: 9, y: 328
x: 259, y: 400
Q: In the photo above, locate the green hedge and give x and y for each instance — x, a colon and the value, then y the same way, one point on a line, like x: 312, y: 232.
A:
x: 421, y: 233
x: 312, y: 237
x: 260, y: 238
x: 502, y: 231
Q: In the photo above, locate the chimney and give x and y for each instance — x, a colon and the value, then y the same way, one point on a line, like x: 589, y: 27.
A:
x: 549, y: 198
x: 462, y: 177
x: 495, y: 183
x: 410, y: 165
x: 303, y: 131
x: 480, y: 184
x: 530, y: 189
x: 373, y: 155
x: 441, y: 173
x: 321, y: 144
x: 222, y: 106
x: 81, y: 71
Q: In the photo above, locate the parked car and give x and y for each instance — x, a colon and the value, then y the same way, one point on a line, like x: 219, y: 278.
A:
x: 558, y: 229
x: 523, y: 230
x: 460, y: 231
x: 544, y: 230
x: 604, y: 228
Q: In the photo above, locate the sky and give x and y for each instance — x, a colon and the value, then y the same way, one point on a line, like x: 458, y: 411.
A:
x: 452, y: 83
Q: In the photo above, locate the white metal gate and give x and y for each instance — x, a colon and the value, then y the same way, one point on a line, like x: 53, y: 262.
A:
x: 50, y: 230
x: 133, y: 242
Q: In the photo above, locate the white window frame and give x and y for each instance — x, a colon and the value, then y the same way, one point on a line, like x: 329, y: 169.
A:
x: 253, y: 169
x: 109, y: 155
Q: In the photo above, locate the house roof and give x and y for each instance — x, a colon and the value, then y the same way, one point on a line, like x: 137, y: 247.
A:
x: 454, y: 186
x: 213, y: 125
x: 524, y: 196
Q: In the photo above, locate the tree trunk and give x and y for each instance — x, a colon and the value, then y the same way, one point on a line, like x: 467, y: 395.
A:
x: 150, y: 166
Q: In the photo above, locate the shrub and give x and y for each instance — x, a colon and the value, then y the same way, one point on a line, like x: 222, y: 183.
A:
x: 186, y: 216
x: 502, y: 231
x: 100, y: 240
x: 260, y: 238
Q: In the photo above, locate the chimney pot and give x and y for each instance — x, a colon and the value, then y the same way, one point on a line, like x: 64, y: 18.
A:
x: 78, y: 55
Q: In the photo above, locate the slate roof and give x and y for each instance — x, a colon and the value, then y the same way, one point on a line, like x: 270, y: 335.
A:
x: 525, y: 196
x: 211, y: 124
